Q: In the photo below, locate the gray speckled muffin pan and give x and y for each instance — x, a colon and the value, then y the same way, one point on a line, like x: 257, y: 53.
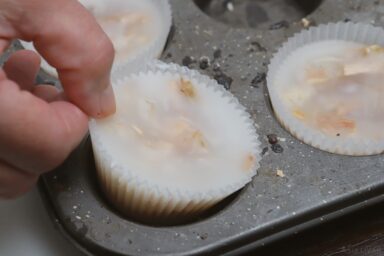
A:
x: 317, y: 186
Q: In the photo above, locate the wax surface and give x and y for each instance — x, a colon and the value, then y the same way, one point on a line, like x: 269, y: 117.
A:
x: 335, y: 87
x: 131, y: 25
x: 178, y: 133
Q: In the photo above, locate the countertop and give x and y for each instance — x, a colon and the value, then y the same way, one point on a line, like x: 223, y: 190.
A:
x: 26, y: 230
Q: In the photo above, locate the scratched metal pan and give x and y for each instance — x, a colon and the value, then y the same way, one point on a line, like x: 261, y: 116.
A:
x: 233, y: 42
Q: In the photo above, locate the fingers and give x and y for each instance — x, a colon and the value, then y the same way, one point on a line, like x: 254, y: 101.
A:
x: 37, y: 136
x: 75, y: 44
x: 4, y: 43
x: 22, y: 67
x: 70, y: 39
x: 45, y: 92
x: 14, y: 182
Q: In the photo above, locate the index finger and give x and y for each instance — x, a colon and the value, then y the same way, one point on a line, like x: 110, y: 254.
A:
x: 70, y: 39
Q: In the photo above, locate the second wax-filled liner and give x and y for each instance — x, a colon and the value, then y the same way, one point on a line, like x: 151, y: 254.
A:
x: 351, y: 32
x: 141, y: 197
x: 140, y: 57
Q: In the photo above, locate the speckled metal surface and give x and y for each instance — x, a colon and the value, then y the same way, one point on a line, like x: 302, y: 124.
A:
x: 316, y: 185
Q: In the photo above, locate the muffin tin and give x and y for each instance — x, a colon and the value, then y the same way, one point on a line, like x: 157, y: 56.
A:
x: 296, y: 187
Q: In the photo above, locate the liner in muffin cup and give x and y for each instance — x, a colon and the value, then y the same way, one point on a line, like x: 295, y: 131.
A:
x: 152, y: 51
x: 352, y: 32
x: 141, y: 197
x: 155, y: 48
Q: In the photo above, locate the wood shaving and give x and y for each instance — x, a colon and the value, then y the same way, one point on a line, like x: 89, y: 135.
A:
x: 199, y: 137
x: 137, y: 130
x: 249, y: 162
x: 187, y: 89
x: 299, y: 114
x: 306, y: 23
x: 374, y: 49
x: 280, y: 173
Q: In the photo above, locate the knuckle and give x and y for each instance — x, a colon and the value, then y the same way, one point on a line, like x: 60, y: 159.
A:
x: 97, y: 59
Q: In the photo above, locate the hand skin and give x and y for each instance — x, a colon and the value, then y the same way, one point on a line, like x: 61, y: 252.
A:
x: 38, y: 130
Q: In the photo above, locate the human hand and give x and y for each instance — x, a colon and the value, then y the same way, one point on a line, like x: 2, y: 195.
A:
x: 38, y: 129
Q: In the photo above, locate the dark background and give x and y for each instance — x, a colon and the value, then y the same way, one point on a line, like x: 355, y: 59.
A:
x: 358, y: 234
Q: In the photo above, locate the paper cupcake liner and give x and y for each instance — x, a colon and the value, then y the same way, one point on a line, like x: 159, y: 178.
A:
x: 136, y: 196
x: 355, y: 32
x: 133, y: 64
x: 155, y: 49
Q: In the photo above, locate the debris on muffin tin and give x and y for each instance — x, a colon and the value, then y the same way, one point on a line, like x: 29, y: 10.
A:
x: 306, y: 23
x: 223, y: 79
x: 230, y: 6
x: 217, y: 54
x: 280, y: 173
x: 188, y: 61
x: 279, y: 25
x: 204, y: 62
x: 216, y: 67
x: 258, y: 46
x: 168, y: 55
x: 277, y: 148
x: 272, y: 139
x: 202, y: 236
x: 259, y: 78
x: 265, y: 150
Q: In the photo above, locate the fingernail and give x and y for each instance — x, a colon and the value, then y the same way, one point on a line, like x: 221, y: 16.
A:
x: 107, y: 103
x: 95, y: 103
